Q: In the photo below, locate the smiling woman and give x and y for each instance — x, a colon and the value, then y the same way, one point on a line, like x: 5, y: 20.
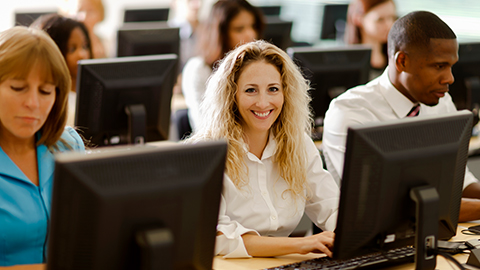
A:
x: 257, y: 100
x: 34, y: 83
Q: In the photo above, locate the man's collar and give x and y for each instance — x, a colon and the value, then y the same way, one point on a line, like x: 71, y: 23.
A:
x: 400, y: 104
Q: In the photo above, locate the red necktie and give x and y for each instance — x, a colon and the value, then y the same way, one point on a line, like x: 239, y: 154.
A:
x: 414, y: 111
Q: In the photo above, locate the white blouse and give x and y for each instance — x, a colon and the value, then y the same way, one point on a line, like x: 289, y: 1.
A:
x: 263, y: 209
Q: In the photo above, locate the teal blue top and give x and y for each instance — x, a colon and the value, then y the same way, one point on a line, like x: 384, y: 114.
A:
x: 25, y: 207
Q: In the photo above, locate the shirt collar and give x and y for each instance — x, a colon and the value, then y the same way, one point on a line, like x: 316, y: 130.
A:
x: 45, y: 166
x: 400, y: 104
x: 269, y: 150
x: 9, y: 168
x: 271, y: 147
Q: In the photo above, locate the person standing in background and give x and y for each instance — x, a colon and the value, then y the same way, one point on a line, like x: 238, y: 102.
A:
x: 186, y: 16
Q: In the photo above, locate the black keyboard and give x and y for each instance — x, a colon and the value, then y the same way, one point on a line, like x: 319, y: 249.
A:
x: 370, y: 261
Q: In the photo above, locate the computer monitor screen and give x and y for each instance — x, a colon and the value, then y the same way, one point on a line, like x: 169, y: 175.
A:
x: 134, y: 39
x: 125, y: 100
x: 270, y: 10
x: 146, y: 15
x: 465, y: 90
x: 138, y: 208
x: 27, y: 18
x: 384, y: 162
x: 334, y: 20
x: 278, y: 32
x: 331, y: 71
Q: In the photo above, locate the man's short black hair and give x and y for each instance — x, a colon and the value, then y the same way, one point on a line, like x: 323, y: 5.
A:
x: 415, y: 30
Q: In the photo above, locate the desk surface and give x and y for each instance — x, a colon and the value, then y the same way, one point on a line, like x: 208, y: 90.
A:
x: 261, y: 263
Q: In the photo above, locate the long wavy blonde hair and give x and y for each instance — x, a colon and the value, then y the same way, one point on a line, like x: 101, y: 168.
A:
x: 221, y: 119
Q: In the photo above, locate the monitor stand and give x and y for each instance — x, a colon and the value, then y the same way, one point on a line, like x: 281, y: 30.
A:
x: 426, y: 227
x: 156, y: 249
x: 137, y: 123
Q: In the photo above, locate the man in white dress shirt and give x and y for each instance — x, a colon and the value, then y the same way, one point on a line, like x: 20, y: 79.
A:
x: 422, y: 50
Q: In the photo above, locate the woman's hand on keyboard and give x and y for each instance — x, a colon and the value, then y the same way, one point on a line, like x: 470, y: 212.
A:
x: 264, y: 246
x: 318, y: 243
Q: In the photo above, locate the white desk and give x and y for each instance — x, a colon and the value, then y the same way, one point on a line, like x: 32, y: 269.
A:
x: 261, y: 263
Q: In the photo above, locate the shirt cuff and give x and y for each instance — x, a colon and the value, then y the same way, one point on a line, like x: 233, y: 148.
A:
x: 231, y: 248
x: 230, y: 243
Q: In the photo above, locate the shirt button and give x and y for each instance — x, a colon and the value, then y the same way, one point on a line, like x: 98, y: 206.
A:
x: 273, y: 217
x: 264, y: 193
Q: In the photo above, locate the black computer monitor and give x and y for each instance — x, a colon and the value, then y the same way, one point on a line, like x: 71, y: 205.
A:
x: 137, y: 208
x: 134, y: 39
x: 146, y: 15
x: 270, y: 10
x: 331, y: 71
x: 334, y: 20
x: 125, y: 100
x: 278, y: 32
x: 24, y: 18
x: 465, y: 91
x: 402, y: 185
